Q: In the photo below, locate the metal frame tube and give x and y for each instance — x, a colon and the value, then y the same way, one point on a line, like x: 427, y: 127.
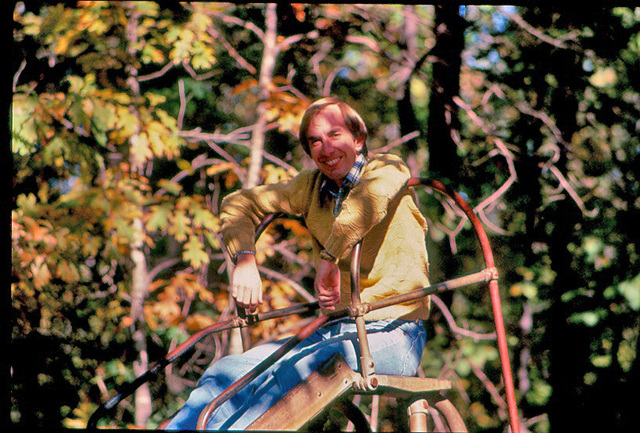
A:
x: 493, y: 290
x: 357, y: 310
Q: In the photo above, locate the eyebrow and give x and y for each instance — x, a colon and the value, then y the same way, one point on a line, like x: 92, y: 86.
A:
x: 331, y: 131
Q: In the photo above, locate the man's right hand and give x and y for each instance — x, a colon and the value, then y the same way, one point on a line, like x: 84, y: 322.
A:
x: 327, y: 285
x: 246, y: 284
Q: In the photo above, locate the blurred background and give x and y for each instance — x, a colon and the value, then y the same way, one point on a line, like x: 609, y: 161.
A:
x: 130, y: 121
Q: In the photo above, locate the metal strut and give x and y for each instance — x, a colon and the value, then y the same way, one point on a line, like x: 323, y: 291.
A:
x: 493, y: 290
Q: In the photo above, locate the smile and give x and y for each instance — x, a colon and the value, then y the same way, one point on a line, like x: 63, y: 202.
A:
x: 332, y: 162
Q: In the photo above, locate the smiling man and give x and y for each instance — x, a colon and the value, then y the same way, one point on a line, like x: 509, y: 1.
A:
x: 349, y: 197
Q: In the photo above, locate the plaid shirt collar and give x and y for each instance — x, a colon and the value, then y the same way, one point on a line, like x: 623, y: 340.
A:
x: 349, y: 181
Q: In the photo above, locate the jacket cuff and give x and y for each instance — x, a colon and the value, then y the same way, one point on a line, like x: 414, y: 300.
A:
x: 325, y: 255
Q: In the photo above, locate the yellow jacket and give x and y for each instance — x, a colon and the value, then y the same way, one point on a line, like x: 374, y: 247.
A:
x: 379, y: 209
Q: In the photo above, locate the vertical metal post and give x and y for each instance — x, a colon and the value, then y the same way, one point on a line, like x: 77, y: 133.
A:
x: 417, y: 412
x: 366, y: 360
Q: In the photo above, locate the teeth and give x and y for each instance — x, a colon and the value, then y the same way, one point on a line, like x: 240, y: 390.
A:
x: 332, y: 162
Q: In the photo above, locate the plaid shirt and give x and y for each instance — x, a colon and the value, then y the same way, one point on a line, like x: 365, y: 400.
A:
x: 349, y: 181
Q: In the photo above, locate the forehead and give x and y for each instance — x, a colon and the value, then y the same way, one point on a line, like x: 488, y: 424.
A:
x: 328, y: 117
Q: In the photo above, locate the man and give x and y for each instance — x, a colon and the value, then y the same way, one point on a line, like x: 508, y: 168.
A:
x: 348, y: 197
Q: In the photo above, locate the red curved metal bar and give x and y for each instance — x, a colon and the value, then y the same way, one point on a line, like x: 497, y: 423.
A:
x: 493, y: 290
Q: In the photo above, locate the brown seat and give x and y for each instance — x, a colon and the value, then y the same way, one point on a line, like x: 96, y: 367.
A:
x: 335, y: 379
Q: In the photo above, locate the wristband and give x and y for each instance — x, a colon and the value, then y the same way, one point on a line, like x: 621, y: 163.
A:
x: 235, y: 257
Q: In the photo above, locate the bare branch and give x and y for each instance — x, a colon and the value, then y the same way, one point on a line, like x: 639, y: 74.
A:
x: 161, y: 267
x: 199, y: 162
x: 476, y: 336
x: 287, y: 42
x: 363, y: 40
x: 326, y: 88
x: 183, y: 103
x: 237, y: 21
x: 544, y: 117
x: 16, y: 76
x: 574, y: 195
x: 559, y: 43
x: 493, y: 198
x: 398, y: 142
x: 495, y: 394
x: 232, y: 51
x: 156, y: 74
x: 294, y: 285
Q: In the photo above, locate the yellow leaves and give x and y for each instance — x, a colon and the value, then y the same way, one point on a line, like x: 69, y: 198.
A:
x: 82, y: 414
x: 194, y: 253
x: 67, y: 272
x: 155, y: 99
x: 188, y: 219
x: 244, y: 85
x: 219, y: 168
x: 285, y: 108
x: 151, y: 54
x: 40, y: 272
x: 161, y: 139
x: 166, y: 310
x: 204, y: 218
x: 263, y: 247
x: 23, y: 126
x: 604, y: 77
x: 183, y: 287
x: 203, y: 57
x: 480, y: 415
x: 126, y: 125
x: 140, y: 149
x: 274, y: 174
x: 158, y: 218
x: 155, y: 139
x: 298, y: 229
x: 197, y: 322
x: 192, y: 43
x: 179, y: 227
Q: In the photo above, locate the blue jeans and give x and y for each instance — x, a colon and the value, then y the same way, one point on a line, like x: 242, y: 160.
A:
x: 396, y: 347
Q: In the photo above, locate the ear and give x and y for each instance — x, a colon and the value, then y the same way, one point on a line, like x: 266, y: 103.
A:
x: 359, y: 144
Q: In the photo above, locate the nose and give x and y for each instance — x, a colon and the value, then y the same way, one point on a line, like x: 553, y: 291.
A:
x: 326, y: 145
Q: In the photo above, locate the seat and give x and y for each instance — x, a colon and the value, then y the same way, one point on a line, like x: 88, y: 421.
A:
x: 331, y: 382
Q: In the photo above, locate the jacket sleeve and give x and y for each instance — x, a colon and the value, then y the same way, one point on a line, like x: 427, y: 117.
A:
x: 367, y: 203
x: 242, y: 211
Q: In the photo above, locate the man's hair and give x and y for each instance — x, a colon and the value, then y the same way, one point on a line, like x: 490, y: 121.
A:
x: 352, y: 120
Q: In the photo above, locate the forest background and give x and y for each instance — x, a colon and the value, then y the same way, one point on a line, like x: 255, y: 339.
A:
x: 130, y: 121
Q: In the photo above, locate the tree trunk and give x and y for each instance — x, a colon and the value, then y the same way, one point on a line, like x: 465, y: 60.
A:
x: 258, y: 136
x: 140, y: 272
x: 444, y: 162
x: 140, y: 288
x: 266, y: 77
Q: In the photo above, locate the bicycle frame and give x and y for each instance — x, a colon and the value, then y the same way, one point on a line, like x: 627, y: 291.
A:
x: 357, y: 310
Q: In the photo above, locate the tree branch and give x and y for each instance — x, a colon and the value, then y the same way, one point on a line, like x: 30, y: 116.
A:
x: 156, y: 74
x: 537, y: 33
x: 294, y: 285
x: 398, y: 142
x: 476, y: 336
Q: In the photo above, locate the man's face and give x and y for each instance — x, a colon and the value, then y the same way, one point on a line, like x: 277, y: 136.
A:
x: 331, y: 145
